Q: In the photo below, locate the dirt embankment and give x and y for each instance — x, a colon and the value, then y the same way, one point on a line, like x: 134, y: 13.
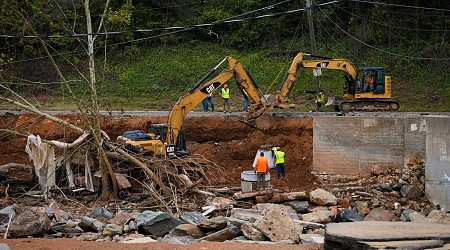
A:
x: 223, y: 140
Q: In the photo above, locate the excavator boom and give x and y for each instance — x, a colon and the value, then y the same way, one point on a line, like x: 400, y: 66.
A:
x: 258, y: 104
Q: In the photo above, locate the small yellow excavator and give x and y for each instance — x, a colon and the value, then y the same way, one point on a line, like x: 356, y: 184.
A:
x: 367, y: 89
x: 167, y: 140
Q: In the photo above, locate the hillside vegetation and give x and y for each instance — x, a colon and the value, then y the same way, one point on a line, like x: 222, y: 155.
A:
x: 151, y: 70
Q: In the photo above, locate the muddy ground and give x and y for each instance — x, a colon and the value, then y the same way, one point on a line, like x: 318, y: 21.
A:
x: 226, y: 141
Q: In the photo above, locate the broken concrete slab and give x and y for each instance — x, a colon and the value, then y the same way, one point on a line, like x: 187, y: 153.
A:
x: 351, y: 235
x: 221, y: 203
x: 90, y: 225
x: 409, y: 244
x: 277, y: 225
x: 175, y: 239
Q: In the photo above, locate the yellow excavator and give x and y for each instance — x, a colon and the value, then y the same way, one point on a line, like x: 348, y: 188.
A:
x: 367, y: 89
x: 167, y: 140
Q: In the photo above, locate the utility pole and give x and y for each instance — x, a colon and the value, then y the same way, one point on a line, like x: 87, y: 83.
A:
x: 317, y: 72
x: 311, y: 27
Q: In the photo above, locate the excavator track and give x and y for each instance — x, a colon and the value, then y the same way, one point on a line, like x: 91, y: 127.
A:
x: 368, y: 106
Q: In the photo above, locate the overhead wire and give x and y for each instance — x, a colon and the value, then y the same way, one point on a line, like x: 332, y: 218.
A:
x: 379, y: 49
x: 391, y: 26
x: 156, y: 36
x: 401, y: 5
x: 183, y: 28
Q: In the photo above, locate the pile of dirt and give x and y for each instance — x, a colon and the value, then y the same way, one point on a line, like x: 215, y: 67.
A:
x: 225, y: 141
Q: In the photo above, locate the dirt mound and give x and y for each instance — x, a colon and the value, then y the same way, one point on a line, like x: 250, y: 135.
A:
x: 225, y: 141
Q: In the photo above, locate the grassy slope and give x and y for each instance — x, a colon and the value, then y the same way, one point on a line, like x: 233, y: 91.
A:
x: 155, y: 78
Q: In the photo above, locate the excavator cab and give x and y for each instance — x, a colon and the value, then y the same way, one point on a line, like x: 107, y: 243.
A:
x: 371, y: 79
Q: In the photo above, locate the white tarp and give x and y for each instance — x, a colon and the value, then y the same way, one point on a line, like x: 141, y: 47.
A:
x: 268, y: 155
x: 43, y: 157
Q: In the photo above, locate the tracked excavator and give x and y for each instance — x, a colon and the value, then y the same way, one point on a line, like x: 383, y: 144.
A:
x: 168, y: 140
x: 365, y: 90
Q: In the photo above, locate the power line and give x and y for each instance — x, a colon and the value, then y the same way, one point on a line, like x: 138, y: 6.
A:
x: 387, y: 25
x: 400, y: 5
x: 382, y: 50
x: 183, y: 28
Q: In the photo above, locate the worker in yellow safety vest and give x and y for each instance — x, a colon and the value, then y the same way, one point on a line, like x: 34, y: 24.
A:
x: 279, y: 162
x: 225, y: 94
x: 320, y: 100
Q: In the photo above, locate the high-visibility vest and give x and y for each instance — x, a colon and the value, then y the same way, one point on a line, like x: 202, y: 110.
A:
x: 279, y: 157
x: 321, y: 98
x: 225, y: 93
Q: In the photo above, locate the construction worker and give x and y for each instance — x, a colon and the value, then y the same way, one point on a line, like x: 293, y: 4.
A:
x: 225, y: 94
x: 274, y: 151
x: 279, y: 162
x: 205, y: 101
x: 261, y: 169
x: 320, y: 100
x: 245, y: 109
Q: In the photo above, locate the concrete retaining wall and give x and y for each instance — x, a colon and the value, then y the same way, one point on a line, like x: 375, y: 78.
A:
x: 437, y: 172
x: 353, y: 144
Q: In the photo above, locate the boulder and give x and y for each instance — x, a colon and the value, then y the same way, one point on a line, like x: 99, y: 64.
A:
x: 436, y: 216
x: 215, y: 223
x: 349, y: 215
x: 319, y: 216
x: 193, y: 217
x: 31, y: 222
x: 140, y: 240
x: 298, y: 206
x: 101, y: 212
x: 411, y: 192
x: 15, y: 173
x: 376, y: 170
x: 322, y: 197
x: 344, y: 202
x: 380, y: 214
x: 156, y: 223
x: 112, y: 229
x: 252, y: 233
x: 416, y: 217
x: 360, y: 205
x: 175, y: 239
x: 405, y: 215
x: 188, y: 230
x: 287, y: 209
x: 120, y: 218
x: 221, y: 203
x: 277, y: 225
x: 6, y: 213
x: 88, y: 236
x: 227, y: 233
x: 91, y: 225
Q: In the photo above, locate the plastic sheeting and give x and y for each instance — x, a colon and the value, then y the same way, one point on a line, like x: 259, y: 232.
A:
x: 43, y: 157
